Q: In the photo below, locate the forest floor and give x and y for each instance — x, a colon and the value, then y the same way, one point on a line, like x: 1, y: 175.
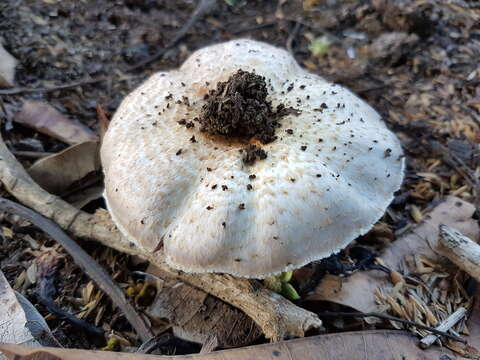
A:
x: 415, y: 61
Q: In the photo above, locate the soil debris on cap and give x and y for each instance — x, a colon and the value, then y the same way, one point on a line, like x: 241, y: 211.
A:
x: 252, y: 153
x: 239, y: 108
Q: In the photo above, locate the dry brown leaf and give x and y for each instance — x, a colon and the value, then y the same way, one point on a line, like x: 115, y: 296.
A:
x: 360, y: 345
x: 358, y: 290
x: 20, y: 322
x: 201, y: 316
x: 47, y: 120
x: 7, y: 68
x: 55, y: 173
x: 329, y: 283
x: 12, y: 317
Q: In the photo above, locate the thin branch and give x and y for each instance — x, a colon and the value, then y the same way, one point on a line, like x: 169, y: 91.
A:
x: 391, y: 318
x: 455, y: 162
x: 204, y: 7
x: 252, y: 28
x: 84, y: 261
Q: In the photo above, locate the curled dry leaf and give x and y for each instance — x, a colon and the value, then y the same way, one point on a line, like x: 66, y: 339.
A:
x: 358, y: 290
x: 358, y: 345
x: 7, y: 68
x: 55, y: 173
x: 17, y: 317
x: 46, y: 119
x: 197, y: 316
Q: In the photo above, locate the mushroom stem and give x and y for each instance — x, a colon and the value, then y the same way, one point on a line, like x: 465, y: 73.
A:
x: 277, y: 317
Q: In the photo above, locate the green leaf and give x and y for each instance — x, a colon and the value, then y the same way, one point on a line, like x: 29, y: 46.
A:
x: 319, y: 46
x: 286, y: 276
x: 273, y: 283
x: 289, y: 292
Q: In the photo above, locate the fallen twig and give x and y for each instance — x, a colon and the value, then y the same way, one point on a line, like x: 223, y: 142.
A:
x: 252, y: 28
x: 84, y: 261
x: 276, y: 316
x: 455, y: 162
x: 444, y: 326
x: 203, y: 7
x: 461, y: 250
x: 392, y: 318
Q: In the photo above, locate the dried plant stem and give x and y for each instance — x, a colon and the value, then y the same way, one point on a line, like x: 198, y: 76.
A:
x: 276, y: 316
x: 84, y: 261
x: 461, y: 250
x: 393, y: 318
x: 444, y: 326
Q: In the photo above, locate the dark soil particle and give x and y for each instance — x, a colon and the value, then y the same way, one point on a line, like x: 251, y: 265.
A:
x: 252, y: 153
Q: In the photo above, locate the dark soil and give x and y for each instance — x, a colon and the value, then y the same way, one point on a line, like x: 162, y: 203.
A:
x: 239, y: 108
x: 252, y: 153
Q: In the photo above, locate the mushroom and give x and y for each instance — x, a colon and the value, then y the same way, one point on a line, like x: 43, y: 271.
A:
x: 242, y: 162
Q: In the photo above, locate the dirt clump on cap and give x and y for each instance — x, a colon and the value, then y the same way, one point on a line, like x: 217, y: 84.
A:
x: 239, y: 108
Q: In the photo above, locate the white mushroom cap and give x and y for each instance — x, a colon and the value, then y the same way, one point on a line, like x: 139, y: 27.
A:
x: 319, y: 188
